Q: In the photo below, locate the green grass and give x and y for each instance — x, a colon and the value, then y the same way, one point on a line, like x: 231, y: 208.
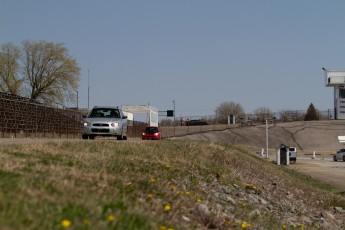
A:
x: 89, y: 182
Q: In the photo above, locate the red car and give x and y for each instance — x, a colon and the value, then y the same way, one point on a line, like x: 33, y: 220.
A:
x: 151, y: 133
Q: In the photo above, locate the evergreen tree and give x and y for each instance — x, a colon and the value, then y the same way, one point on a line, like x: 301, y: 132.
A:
x: 312, y: 113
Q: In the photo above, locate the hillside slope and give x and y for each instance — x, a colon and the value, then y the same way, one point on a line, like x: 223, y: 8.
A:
x: 308, y: 136
x: 109, y: 184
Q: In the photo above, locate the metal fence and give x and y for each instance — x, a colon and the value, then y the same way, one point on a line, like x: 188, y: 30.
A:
x: 24, y: 118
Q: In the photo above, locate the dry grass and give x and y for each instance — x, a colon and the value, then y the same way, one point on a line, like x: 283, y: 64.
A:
x: 151, y: 184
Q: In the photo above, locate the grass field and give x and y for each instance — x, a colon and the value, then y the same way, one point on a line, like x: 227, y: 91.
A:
x: 107, y: 184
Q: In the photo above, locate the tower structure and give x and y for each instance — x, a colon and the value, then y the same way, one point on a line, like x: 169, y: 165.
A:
x: 336, y: 79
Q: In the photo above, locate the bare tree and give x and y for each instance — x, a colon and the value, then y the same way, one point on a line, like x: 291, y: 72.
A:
x: 9, y: 66
x: 263, y: 113
x: 229, y: 108
x: 292, y: 115
x: 50, y: 73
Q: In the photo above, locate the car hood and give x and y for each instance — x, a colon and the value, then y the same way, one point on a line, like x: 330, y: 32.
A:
x: 103, y: 120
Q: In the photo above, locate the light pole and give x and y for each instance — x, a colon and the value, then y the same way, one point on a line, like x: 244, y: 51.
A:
x: 266, y: 138
x: 174, y: 115
x: 88, y: 89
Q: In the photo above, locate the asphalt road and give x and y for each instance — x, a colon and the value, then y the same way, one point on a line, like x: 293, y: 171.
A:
x: 326, y: 170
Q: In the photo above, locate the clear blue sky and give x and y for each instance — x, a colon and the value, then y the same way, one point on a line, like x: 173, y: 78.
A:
x: 199, y: 53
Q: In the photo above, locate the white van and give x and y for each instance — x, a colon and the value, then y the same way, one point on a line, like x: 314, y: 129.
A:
x: 292, y: 154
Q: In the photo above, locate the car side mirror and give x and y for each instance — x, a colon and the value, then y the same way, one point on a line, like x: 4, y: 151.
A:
x: 124, y: 117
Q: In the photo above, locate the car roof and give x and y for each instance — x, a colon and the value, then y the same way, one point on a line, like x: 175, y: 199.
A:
x: 106, y: 107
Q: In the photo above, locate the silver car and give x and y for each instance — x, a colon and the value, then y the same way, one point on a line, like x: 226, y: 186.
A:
x: 105, y: 121
x: 340, y: 155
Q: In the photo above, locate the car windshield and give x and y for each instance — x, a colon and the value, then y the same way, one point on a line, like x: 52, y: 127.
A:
x: 104, y: 112
x: 151, y: 129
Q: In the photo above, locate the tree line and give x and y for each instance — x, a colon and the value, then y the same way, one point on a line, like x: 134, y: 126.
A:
x: 262, y: 113
x: 39, y: 70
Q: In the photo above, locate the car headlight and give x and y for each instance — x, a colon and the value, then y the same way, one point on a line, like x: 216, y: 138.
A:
x: 87, y: 123
x: 114, y: 124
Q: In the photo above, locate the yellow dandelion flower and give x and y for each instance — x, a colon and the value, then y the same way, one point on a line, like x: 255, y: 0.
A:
x: 111, y: 218
x: 197, y: 200
x: 153, y: 180
x: 284, y: 226
x: 170, y: 229
x: 244, y: 225
x: 86, y: 222
x: 172, y: 187
x: 188, y: 193
x: 66, y: 223
x: 167, y: 207
x: 243, y: 204
x: 150, y: 195
x: 179, y: 192
x: 168, y: 166
x: 162, y: 228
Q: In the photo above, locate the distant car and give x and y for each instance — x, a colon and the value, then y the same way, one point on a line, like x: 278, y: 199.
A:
x: 105, y: 121
x: 339, y: 155
x: 152, y: 133
x: 196, y: 122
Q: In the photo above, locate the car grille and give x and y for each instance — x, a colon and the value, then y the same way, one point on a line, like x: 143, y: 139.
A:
x: 100, y: 125
x: 100, y: 130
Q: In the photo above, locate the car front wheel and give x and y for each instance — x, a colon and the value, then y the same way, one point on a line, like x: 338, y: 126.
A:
x: 334, y: 158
